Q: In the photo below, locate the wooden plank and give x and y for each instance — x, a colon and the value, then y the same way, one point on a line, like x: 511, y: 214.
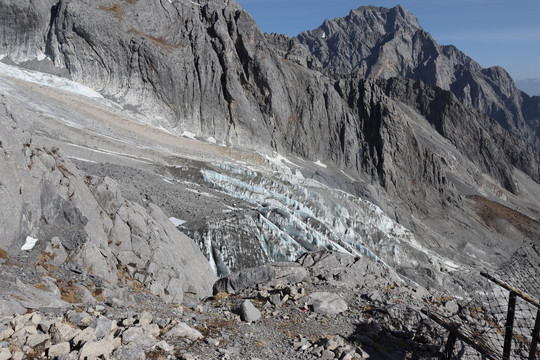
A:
x: 450, y: 343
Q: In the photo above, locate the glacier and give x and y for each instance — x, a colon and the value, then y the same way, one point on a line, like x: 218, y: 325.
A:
x: 291, y: 215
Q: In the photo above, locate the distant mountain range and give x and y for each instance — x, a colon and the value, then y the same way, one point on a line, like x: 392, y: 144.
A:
x: 530, y: 86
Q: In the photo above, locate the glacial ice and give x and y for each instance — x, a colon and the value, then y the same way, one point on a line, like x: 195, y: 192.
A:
x: 293, y: 219
x: 292, y: 215
x: 48, y: 80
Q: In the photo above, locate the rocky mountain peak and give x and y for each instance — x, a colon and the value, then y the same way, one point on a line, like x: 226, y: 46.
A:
x: 393, y: 19
x: 383, y: 43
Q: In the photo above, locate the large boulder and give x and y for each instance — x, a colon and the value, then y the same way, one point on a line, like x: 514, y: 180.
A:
x: 47, y: 202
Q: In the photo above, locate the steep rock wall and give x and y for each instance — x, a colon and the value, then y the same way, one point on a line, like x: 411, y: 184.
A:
x: 382, y: 43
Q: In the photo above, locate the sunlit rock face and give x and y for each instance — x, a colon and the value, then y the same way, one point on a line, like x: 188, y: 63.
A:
x: 377, y: 42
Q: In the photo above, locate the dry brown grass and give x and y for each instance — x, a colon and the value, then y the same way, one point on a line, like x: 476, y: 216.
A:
x: 42, y: 261
x: 259, y: 343
x: 40, y: 286
x: 115, y: 9
x: 491, y: 212
x: 159, y: 41
x: 215, y: 326
x: 68, y: 293
x: 222, y: 295
x: 3, y: 254
x: 125, y: 278
x: 17, y: 297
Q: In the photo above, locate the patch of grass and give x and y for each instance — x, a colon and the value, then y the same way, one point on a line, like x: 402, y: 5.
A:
x: 68, y: 291
x: 215, y: 326
x: 125, y: 278
x: 68, y: 295
x: 3, y: 254
x: 42, y: 261
x: 157, y: 40
x: 221, y: 295
x: 115, y: 9
x: 259, y: 343
x: 491, y: 211
x: 40, y: 286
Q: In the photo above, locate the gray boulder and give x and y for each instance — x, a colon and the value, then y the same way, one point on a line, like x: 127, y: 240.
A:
x: 248, y: 312
x: 266, y: 275
x: 326, y: 303
x: 185, y: 331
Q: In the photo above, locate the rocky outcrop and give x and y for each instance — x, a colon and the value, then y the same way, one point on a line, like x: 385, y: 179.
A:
x: 230, y: 81
x: 382, y: 43
x: 53, y: 215
x: 496, y: 154
x: 532, y: 113
x: 24, y: 28
x: 319, y: 317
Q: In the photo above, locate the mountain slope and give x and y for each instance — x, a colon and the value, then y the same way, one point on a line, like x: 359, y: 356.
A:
x: 207, y: 71
x: 378, y: 42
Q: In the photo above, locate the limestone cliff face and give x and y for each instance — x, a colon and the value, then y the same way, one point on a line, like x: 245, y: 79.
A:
x: 383, y: 43
x: 24, y: 28
x: 208, y: 69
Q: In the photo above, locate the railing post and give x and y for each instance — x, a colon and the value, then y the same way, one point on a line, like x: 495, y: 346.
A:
x: 535, y: 335
x: 450, y: 343
x: 509, y: 325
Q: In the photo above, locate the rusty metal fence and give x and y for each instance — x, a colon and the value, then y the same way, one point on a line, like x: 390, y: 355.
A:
x: 502, y: 321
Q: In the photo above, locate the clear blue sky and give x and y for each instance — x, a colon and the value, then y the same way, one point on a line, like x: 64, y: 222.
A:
x: 493, y: 32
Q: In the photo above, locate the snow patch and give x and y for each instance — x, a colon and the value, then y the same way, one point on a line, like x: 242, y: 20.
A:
x: 113, y: 153
x: 168, y: 181
x: 280, y: 161
x: 202, y: 193
x: 176, y: 221
x: 41, y: 56
x: 29, y: 244
x: 319, y: 163
x: 189, y: 135
x: 211, y: 140
x: 81, y: 159
x: 451, y: 266
x: 350, y: 178
x: 48, y: 80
